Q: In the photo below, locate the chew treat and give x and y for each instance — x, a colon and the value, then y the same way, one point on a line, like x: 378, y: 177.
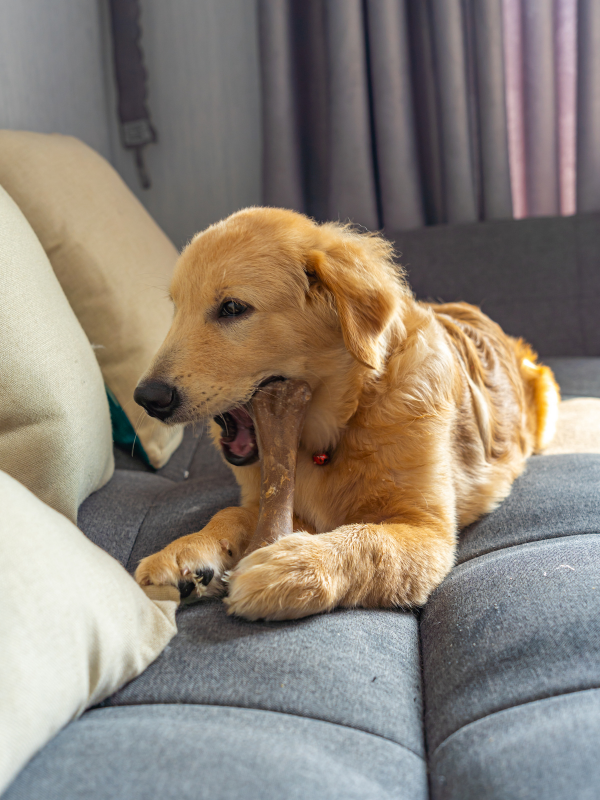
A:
x: 278, y: 410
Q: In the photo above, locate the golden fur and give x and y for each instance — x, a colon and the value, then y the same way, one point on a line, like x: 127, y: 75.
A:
x: 429, y: 413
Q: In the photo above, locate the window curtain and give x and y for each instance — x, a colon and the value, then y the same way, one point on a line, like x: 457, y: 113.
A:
x: 401, y: 113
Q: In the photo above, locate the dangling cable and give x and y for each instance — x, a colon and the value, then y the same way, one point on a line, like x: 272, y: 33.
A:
x: 131, y: 77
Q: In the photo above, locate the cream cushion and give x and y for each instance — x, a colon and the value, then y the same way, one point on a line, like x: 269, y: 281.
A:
x: 74, y: 626
x: 578, y: 427
x: 55, y: 431
x: 112, y: 260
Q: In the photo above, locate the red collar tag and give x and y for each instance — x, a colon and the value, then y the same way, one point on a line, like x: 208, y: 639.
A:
x: 321, y: 459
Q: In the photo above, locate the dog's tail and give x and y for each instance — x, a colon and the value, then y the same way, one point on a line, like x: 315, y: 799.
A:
x: 545, y: 394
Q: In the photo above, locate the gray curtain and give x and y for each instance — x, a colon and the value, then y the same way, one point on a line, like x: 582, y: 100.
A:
x: 385, y: 112
x: 588, y: 106
x: 393, y: 113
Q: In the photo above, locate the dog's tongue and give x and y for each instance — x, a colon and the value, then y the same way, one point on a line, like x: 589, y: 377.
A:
x: 244, y: 440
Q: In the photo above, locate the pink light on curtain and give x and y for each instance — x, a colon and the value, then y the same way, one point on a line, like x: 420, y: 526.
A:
x: 565, y: 60
x: 566, y: 82
x: 515, y: 112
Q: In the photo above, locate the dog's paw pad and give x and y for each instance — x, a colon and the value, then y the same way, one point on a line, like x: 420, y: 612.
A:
x: 186, y: 588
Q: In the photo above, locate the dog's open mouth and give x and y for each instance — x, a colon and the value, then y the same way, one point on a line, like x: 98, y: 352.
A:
x: 238, y: 439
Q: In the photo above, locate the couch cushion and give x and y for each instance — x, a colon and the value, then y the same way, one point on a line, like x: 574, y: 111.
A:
x: 511, y: 627
x: 202, y: 753
x: 517, y: 621
x: 556, y: 496
x: 545, y: 749
x: 357, y: 668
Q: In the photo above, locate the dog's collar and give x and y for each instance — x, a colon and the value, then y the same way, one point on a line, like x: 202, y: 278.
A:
x: 321, y: 459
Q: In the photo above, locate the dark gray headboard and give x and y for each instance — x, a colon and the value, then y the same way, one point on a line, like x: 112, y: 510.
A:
x: 538, y: 278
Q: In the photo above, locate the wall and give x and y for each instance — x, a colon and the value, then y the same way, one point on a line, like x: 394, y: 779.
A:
x: 204, y: 98
x: 50, y: 76
x: 202, y: 60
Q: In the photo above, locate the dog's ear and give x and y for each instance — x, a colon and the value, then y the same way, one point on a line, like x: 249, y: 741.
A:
x: 366, y: 296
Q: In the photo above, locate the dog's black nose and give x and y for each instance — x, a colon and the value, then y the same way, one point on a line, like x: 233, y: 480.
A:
x: 158, y: 398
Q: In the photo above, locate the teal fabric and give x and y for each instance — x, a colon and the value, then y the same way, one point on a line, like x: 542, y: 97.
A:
x: 123, y: 432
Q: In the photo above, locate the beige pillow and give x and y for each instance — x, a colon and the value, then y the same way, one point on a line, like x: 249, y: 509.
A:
x: 112, y: 260
x: 55, y: 432
x: 578, y: 427
x: 74, y: 626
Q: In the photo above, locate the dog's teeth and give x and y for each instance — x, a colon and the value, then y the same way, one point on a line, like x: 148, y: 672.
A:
x: 225, y: 576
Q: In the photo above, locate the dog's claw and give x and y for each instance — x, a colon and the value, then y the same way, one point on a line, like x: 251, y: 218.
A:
x: 185, y: 588
x: 205, y: 575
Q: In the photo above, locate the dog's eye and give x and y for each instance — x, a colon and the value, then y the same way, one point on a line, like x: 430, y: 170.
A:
x: 231, y: 308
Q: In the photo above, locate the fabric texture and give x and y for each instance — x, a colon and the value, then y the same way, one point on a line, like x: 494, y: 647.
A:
x: 111, y: 259
x: 200, y: 753
x: 544, y: 749
x: 55, y: 433
x: 357, y: 668
x: 511, y: 627
x: 74, y: 626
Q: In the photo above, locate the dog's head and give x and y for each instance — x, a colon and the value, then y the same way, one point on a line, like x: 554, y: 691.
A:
x: 269, y: 294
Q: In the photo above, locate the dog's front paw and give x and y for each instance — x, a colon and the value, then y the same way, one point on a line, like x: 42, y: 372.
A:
x: 292, y: 578
x: 194, y: 564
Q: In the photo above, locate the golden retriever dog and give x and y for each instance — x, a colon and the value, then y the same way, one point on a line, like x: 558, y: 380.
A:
x: 421, y: 417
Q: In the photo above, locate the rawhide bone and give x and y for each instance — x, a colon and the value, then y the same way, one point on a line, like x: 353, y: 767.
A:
x: 278, y: 410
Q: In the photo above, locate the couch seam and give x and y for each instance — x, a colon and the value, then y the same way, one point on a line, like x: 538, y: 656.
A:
x: 509, y: 708
x: 266, y: 711
x: 152, y: 505
x: 523, y: 544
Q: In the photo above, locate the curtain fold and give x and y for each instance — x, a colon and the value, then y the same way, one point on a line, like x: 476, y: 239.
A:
x: 496, y: 195
x: 588, y: 107
x: 282, y: 180
x: 393, y: 113
x: 450, y: 59
x: 352, y: 194
x: 541, y: 132
x: 402, y: 113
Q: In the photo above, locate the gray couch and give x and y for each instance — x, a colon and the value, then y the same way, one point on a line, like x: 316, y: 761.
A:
x: 491, y: 691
